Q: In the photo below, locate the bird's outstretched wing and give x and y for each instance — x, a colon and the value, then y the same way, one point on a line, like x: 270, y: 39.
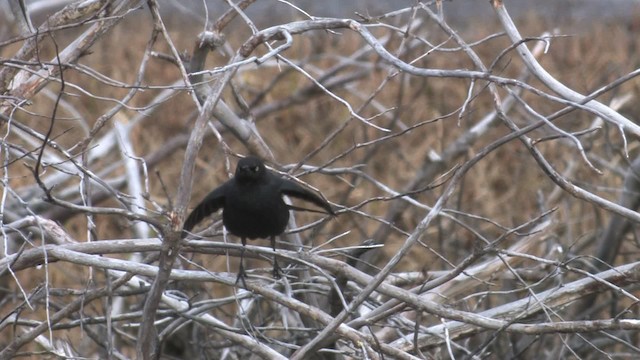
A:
x: 210, y: 204
x: 290, y: 188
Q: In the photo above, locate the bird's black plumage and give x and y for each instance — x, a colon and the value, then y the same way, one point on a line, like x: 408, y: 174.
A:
x: 252, y: 204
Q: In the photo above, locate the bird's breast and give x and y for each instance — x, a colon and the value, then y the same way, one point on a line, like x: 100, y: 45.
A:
x: 255, y: 213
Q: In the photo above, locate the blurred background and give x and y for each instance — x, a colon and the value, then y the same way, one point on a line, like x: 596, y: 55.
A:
x: 125, y: 116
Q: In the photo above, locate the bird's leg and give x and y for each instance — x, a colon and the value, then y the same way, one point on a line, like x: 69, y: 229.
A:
x: 276, y: 267
x: 241, y: 273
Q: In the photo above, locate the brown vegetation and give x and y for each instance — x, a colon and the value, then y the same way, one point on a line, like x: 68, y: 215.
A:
x: 501, y: 199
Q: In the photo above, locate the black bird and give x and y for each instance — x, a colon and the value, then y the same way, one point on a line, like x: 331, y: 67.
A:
x: 252, y: 205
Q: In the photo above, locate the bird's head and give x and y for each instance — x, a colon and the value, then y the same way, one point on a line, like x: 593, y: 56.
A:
x: 250, y: 168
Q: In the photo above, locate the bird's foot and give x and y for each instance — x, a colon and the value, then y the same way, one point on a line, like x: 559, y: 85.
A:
x: 277, y: 271
x: 241, y: 276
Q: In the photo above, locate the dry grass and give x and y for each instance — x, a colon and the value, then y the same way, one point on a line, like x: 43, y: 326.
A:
x: 507, y: 186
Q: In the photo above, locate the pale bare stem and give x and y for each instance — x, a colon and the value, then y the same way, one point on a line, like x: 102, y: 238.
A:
x: 416, y: 236
x: 573, y: 189
x: 465, y: 276
x: 9, y: 244
x: 288, y: 41
x: 330, y: 79
x: 562, y: 133
x: 69, y: 14
x: 455, y: 236
x: 84, y: 172
x: 453, y: 151
x: 112, y: 263
x: 616, y: 103
x: 551, y: 298
x: 344, y: 102
x: 134, y: 182
x: 555, y: 85
x: 102, y: 120
x: 73, y: 307
x: 367, y: 100
x: 447, y: 340
x: 159, y: 25
x: 26, y: 86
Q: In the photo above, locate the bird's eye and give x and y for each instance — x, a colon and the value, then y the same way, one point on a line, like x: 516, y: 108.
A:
x: 255, y: 169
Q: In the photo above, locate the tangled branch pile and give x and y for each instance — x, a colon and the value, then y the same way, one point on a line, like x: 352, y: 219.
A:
x: 483, y: 174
